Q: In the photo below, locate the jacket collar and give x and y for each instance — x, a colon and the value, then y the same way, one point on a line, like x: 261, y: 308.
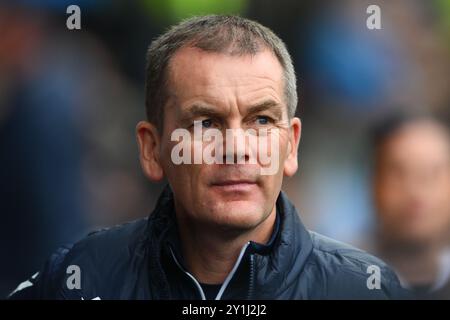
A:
x: 278, y: 268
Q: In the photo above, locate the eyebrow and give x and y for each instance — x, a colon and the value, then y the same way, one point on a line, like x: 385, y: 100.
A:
x: 267, y: 105
x: 197, y: 110
x: 205, y: 110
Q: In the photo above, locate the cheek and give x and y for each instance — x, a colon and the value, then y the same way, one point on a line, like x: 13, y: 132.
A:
x: 443, y: 189
x: 440, y: 201
x: 391, y: 199
x: 387, y: 202
x: 277, y: 146
x: 177, y: 174
x: 271, y: 186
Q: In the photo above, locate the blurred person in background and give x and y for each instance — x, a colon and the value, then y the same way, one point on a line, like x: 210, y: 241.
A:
x: 412, y: 200
x: 350, y: 76
x: 40, y: 144
x: 65, y: 112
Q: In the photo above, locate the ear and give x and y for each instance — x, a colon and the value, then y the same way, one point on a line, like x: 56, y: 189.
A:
x: 149, y: 143
x: 291, y: 162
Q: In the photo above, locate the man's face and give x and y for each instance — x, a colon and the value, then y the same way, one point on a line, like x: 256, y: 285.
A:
x: 227, y: 92
x: 412, y: 184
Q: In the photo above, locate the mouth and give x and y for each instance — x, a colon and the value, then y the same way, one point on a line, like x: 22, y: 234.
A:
x: 239, y: 185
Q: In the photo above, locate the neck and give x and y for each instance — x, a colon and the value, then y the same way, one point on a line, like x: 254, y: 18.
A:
x: 210, y: 253
x: 417, y: 265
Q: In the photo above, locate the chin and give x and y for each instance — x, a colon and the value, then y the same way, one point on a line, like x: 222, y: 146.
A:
x: 413, y: 238
x: 238, y: 214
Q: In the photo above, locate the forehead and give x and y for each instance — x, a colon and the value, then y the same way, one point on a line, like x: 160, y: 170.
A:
x: 421, y: 142
x: 196, y: 73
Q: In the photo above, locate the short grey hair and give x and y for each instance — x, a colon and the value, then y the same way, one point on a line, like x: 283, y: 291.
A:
x: 231, y: 35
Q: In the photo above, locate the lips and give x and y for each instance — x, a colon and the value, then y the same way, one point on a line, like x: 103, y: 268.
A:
x: 234, y: 185
x: 232, y: 182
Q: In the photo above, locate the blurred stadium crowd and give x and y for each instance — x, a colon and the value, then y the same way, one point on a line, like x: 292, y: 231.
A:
x: 70, y: 100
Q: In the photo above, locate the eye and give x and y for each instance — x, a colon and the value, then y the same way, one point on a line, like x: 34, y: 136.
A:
x: 207, y: 123
x: 263, y: 120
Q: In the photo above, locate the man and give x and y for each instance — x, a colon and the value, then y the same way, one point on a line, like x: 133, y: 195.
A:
x: 221, y: 229
x: 412, y: 199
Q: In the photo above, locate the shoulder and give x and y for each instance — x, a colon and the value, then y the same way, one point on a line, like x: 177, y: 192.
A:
x: 109, y: 245
x: 334, y: 252
x: 348, y: 272
x: 80, y: 270
x: 119, y: 238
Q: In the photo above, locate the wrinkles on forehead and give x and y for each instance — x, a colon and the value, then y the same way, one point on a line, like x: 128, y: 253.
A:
x: 197, y: 77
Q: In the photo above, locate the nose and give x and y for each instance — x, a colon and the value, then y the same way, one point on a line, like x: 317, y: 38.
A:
x: 236, y: 147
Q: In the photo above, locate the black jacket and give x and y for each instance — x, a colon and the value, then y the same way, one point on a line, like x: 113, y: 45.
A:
x: 142, y: 260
